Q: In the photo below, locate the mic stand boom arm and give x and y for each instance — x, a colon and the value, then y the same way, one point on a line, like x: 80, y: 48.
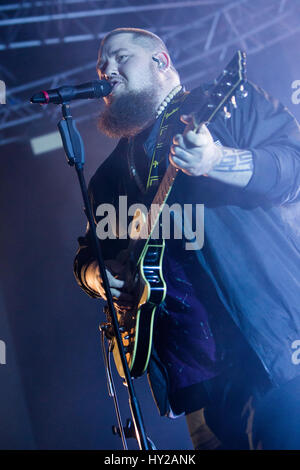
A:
x: 74, y: 150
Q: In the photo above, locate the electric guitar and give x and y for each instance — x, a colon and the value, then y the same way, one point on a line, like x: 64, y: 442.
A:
x: 144, y: 264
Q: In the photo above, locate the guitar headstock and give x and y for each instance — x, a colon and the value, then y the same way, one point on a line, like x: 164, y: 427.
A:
x: 228, y: 85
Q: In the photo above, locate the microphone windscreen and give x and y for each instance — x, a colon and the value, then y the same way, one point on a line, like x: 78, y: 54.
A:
x: 102, y: 88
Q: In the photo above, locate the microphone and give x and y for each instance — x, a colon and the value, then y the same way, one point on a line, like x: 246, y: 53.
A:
x: 95, y: 89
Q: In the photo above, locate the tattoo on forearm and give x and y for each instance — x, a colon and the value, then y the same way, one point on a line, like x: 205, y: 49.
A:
x: 235, y: 160
x: 236, y: 167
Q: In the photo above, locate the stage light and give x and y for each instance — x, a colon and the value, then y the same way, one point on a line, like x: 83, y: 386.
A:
x: 46, y: 143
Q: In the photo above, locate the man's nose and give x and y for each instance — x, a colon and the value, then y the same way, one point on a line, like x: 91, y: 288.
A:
x: 110, y: 71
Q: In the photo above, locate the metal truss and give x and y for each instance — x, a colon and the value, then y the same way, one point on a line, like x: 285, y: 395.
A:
x: 61, y: 18
x: 248, y: 25
x: 198, y: 47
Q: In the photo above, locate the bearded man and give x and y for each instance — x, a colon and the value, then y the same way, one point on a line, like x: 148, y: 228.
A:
x: 225, y: 338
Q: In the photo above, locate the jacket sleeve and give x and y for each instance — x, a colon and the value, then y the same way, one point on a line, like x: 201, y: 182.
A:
x: 266, y: 128
x: 84, y: 256
x: 102, y: 189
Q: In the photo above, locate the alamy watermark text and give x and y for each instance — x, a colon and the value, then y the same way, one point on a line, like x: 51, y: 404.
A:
x: 178, y: 221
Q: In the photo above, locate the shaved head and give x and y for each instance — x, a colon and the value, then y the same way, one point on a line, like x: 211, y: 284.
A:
x: 142, y: 37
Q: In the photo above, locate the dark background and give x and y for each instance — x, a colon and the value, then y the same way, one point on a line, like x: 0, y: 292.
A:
x: 53, y: 391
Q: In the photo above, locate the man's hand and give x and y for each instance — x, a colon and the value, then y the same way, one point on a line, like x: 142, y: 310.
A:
x: 115, y: 274
x: 195, y: 153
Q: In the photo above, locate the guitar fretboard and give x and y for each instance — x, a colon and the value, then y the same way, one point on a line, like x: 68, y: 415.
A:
x: 160, y: 199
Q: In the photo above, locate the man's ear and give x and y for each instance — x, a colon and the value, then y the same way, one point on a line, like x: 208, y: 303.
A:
x: 163, y: 60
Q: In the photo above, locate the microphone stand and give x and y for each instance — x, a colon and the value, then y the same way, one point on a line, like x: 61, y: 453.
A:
x: 74, y: 150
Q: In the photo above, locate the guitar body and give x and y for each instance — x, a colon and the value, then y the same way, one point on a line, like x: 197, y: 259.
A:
x: 138, y: 323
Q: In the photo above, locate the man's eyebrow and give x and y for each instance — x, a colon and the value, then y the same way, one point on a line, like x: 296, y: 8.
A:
x: 118, y: 50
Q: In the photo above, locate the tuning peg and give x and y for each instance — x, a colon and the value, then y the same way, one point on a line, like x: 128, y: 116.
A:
x: 242, y: 93
x: 233, y: 101
x: 227, y: 114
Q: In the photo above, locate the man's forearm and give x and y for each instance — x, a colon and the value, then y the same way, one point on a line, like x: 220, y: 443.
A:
x: 236, y: 167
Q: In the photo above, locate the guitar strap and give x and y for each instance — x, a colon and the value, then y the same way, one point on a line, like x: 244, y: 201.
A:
x: 170, y: 125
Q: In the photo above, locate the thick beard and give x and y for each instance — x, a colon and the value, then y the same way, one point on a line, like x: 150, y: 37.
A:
x: 128, y: 114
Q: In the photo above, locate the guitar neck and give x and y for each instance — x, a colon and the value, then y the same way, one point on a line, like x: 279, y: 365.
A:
x: 156, y: 208
x: 160, y: 198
